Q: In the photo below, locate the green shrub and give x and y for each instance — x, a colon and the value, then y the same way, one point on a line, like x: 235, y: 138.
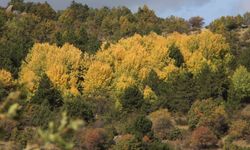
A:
x: 47, y: 94
x: 175, y: 134
x: 141, y: 126
x: 38, y: 115
x: 78, y: 108
x: 132, y: 98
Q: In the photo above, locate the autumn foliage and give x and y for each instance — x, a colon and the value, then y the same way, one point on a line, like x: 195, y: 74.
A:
x: 202, y: 137
x: 6, y: 79
x: 122, y: 79
x: 95, y: 139
x: 64, y: 67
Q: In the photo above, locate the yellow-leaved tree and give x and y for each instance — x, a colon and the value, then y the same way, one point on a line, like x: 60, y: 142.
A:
x: 201, y: 50
x: 64, y: 67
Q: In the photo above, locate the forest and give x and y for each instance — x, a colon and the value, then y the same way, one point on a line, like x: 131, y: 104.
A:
x: 111, y: 79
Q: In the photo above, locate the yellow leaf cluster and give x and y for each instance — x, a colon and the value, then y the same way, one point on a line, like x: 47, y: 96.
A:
x: 97, y: 78
x: 123, y: 82
x: 6, y: 79
x: 149, y: 95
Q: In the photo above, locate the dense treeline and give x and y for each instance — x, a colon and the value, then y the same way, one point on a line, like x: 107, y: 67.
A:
x: 85, y: 78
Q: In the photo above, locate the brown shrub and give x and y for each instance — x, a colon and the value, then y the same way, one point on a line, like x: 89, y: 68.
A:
x: 239, y: 129
x: 245, y: 113
x: 203, y: 137
x: 95, y: 139
x: 6, y: 127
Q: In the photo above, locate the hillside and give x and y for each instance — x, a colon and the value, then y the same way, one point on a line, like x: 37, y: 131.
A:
x: 97, y: 79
